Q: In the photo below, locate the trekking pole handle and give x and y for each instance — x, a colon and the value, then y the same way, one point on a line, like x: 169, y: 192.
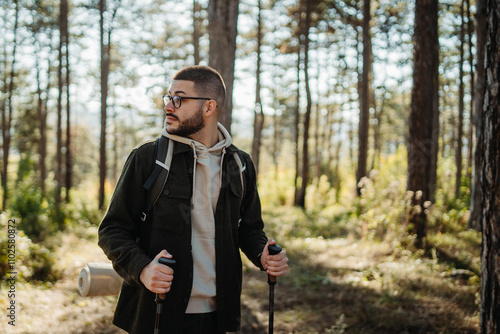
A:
x: 273, y: 250
x: 166, y: 261
x: 160, y: 298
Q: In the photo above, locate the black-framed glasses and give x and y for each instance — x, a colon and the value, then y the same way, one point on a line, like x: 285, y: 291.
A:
x: 176, y: 100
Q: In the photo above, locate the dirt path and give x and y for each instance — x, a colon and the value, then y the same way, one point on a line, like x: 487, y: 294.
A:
x: 58, y: 308
x: 333, y: 286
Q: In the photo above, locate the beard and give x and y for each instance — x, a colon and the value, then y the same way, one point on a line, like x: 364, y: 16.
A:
x: 189, y: 126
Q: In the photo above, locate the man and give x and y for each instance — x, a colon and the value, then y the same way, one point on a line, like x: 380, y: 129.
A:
x: 209, y: 209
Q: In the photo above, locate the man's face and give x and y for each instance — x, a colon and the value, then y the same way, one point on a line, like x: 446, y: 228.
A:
x: 188, y: 119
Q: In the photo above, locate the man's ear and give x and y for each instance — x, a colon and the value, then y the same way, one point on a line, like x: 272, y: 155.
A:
x: 211, y: 107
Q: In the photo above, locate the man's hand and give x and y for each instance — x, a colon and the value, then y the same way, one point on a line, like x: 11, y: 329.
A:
x: 157, y: 277
x: 275, y: 265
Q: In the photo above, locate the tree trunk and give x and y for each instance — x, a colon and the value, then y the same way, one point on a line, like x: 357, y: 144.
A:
x: 319, y: 131
x: 297, y: 117
x: 460, y: 134
x: 222, y: 30
x: 376, y: 132
x: 258, y: 122
x: 7, y: 111
x: 104, y: 97
x: 196, y: 32
x: 39, y: 111
x: 470, y: 145
x: 424, y: 115
x: 60, y: 87
x: 301, y: 199
x: 68, y: 154
x: 364, y: 112
x: 42, y: 119
x: 477, y: 136
x: 490, y: 181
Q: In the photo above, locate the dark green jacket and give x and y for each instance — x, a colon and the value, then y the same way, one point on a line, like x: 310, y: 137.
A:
x: 124, y: 238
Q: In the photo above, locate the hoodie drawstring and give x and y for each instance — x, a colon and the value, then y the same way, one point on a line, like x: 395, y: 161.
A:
x: 221, y: 162
x: 195, y: 158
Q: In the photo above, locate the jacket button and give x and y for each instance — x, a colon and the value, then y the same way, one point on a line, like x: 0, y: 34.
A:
x: 166, y: 192
x: 190, y: 275
x: 190, y: 171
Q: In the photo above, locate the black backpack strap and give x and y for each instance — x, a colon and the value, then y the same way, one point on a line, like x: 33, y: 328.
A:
x: 242, y: 166
x: 247, y: 181
x: 158, y: 177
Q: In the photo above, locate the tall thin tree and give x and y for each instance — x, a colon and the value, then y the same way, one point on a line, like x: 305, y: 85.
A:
x: 470, y: 42
x: 424, y: 116
x: 258, y: 122
x: 364, y: 110
x: 477, y: 136
x: 301, y: 199
x: 296, y: 132
x: 42, y: 117
x: 105, y: 28
x: 62, y: 85
x: 460, y: 130
x: 490, y: 180
x: 222, y: 30
x: 196, y: 31
x: 104, y: 101
x: 8, y: 108
x: 68, y: 179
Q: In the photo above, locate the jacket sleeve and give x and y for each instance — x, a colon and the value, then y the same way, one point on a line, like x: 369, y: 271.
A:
x: 251, y: 230
x: 120, y: 227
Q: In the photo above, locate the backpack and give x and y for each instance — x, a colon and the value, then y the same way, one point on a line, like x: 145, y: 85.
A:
x: 164, y: 148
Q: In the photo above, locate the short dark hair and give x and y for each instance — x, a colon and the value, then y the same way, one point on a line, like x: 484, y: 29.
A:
x: 207, y: 82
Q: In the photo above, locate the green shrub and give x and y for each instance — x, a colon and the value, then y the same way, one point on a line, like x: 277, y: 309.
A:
x: 28, y: 204
x: 31, y: 261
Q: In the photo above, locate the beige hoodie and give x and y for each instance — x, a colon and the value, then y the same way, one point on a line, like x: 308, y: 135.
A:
x: 207, y: 175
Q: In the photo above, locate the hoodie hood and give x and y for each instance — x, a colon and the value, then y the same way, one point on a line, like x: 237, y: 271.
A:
x: 225, y: 139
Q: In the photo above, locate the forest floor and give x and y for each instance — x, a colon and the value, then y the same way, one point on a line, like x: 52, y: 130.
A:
x: 333, y: 286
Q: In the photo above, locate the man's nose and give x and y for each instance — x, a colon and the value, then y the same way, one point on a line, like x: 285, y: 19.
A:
x: 169, y: 106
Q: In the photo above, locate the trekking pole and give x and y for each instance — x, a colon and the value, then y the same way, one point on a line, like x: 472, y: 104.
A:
x: 271, y: 280
x: 160, y: 298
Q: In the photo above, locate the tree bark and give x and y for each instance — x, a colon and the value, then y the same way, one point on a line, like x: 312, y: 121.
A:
x: 104, y: 105
x: 301, y: 199
x: 376, y: 131
x: 7, y: 111
x: 196, y: 32
x: 258, y: 122
x: 460, y: 133
x: 42, y: 118
x: 477, y: 136
x: 364, y: 110
x: 68, y: 154
x: 490, y: 180
x: 222, y: 30
x: 319, y: 131
x: 470, y: 43
x: 424, y: 115
x: 60, y: 87
x: 297, y: 117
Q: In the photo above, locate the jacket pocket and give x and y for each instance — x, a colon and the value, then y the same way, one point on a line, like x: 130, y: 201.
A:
x: 173, y: 211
